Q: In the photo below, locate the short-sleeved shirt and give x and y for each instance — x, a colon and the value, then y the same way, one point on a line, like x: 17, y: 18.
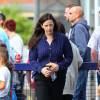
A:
x: 16, y: 45
x: 94, y: 42
x: 5, y: 76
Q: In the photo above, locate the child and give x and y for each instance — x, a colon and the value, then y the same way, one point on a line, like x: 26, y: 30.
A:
x: 5, y: 72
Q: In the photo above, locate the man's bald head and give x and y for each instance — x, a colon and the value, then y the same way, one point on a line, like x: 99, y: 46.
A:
x: 75, y: 14
x: 78, y: 10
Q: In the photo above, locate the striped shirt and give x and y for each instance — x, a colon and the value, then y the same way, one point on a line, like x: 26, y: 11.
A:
x: 59, y: 52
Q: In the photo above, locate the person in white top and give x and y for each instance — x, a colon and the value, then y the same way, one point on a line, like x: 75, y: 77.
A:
x: 16, y: 42
x: 94, y: 44
x: 16, y: 46
x: 5, y: 73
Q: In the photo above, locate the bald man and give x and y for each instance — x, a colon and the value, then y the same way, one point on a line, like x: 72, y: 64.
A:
x: 75, y: 14
x: 79, y: 35
x: 79, y: 32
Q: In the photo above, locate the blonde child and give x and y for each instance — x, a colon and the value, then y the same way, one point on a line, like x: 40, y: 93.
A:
x: 5, y: 74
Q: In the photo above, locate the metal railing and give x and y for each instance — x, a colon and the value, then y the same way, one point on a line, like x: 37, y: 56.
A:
x: 91, y: 92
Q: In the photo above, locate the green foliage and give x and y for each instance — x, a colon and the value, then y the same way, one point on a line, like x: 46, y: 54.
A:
x: 24, y: 25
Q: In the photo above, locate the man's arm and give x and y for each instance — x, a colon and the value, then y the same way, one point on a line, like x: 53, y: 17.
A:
x: 94, y: 55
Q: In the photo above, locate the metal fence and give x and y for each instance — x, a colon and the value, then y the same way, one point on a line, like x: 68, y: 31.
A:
x: 91, y: 89
x: 22, y: 83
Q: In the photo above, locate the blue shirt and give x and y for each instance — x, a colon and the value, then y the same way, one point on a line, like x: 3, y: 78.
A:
x: 4, y: 38
x: 59, y: 52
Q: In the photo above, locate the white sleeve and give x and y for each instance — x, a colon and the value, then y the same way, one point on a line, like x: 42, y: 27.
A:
x: 17, y: 45
x: 93, y: 41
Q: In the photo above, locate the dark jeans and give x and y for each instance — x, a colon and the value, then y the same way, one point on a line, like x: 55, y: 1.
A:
x: 80, y: 91
x: 46, y: 89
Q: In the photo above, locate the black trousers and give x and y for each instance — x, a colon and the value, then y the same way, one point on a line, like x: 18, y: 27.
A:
x: 46, y: 89
x: 67, y: 97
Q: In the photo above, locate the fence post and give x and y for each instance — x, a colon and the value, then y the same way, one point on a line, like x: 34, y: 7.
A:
x: 91, y: 85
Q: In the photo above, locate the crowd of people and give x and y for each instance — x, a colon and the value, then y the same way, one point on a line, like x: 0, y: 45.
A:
x: 56, y: 56
x: 14, y: 45
x: 48, y: 62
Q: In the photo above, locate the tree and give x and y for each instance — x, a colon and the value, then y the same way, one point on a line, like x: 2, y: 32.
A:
x: 24, y: 25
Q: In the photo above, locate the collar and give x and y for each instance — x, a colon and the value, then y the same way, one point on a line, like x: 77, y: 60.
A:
x: 54, y: 35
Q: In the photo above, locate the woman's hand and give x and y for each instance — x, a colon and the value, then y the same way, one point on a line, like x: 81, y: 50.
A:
x: 46, y: 71
x: 54, y: 67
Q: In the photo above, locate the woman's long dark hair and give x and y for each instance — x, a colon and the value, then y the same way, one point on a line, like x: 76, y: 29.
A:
x: 61, y: 27
x: 38, y: 32
x: 5, y: 57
